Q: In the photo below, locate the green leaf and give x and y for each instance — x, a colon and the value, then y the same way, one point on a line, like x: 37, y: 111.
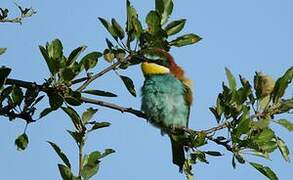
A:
x: 60, y: 153
x: 78, y: 137
x: 154, y: 22
x: 164, y: 8
x: 5, y: 93
x: 74, y: 117
x: 90, y: 165
x: 2, y: 50
x: 261, y: 154
x: 67, y: 74
x: 52, y: 67
x: 282, y: 84
x: 233, y: 162
x: 74, y: 55
x: 286, y: 105
x: 99, y: 125
x: 30, y: 96
x: 175, y: 27
x: 4, y: 72
x: 106, y: 153
x: 73, y: 101
x: 55, y: 49
x: 137, y: 27
x: 265, y: 136
x: 198, y: 155
x: 213, y: 153
x: 100, y: 93
x: 231, y: 79
x: 45, y: 112
x: 108, y: 55
x: 65, y: 172
x: 129, y: 85
x: 239, y: 158
x: 244, y: 125
x: 118, y: 29
x: 215, y: 113
x: 185, y: 40
x: 286, y: 124
x: 109, y: 27
x: 264, y: 170
x: 88, y: 114
x: 283, y: 149
x: 131, y: 15
x: 90, y: 60
x: 55, y: 100
x: 21, y: 142
x: 16, y: 95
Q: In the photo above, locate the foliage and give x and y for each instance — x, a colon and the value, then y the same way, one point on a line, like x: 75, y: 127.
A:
x: 246, y: 111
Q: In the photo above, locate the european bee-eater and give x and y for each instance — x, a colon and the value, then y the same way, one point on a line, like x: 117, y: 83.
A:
x: 166, y: 99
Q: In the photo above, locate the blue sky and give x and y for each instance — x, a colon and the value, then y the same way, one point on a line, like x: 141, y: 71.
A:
x: 246, y: 36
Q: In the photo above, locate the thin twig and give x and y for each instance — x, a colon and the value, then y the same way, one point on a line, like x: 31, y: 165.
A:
x: 114, y: 106
x: 91, y: 79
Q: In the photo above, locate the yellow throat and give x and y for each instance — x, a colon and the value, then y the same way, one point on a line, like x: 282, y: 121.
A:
x: 152, y: 68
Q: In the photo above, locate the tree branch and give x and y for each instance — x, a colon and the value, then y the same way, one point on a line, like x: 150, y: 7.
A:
x: 138, y: 113
x: 94, y: 77
x: 24, y: 13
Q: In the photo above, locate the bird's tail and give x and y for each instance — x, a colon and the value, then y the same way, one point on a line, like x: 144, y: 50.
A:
x: 177, y: 153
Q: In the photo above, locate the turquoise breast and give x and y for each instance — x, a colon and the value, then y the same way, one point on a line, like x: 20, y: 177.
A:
x: 163, y: 101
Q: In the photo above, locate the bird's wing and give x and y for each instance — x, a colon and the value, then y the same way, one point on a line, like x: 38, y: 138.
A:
x: 187, y: 92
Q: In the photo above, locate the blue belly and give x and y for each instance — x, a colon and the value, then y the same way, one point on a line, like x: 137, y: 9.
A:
x: 163, y: 101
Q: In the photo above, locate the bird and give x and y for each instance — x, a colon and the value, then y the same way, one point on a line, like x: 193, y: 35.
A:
x: 166, y: 98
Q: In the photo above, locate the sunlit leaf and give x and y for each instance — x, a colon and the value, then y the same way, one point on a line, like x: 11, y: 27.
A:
x: 74, y: 117
x: 118, y: 29
x: 106, y: 153
x: 185, y: 40
x: 2, y: 50
x: 109, y: 27
x: 60, y: 153
x: 55, y: 49
x: 74, y: 55
x: 283, y: 149
x: 282, y: 84
x: 99, y: 125
x: 153, y: 21
x: 231, y: 79
x: 65, y: 172
x: 175, y: 26
x: 52, y: 67
x: 137, y: 27
x: 131, y: 14
x: 77, y: 136
x: 165, y: 8
x: 286, y: 124
x: 264, y: 170
x: 88, y: 114
x: 90, y: 60
x: 108, y: 55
